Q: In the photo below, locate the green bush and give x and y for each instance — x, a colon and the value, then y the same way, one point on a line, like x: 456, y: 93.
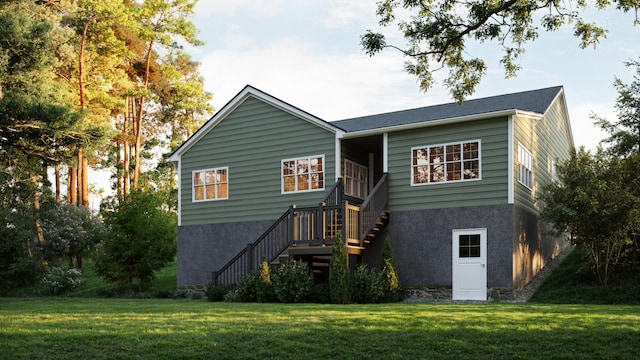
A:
x: 246, y: 289
x: 215, y: 293
x: 367, y: 286
x: 58, y: 280
x: 392, y: 289
x: 141, y: 239
x: 264, y: 289
x: 292, y: 282
x: 320, y: 294
x: 339, y: 273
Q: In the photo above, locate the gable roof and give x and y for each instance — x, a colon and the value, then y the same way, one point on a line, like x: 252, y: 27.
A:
x: 534, y: 102
x: 246, y: 92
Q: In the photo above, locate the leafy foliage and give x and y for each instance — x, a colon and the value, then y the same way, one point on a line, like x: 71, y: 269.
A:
x: 389, y: 276
x: 70, y: 232
x: 437, y: 31
x: 141, y: 239
x: 265, y: 290
x: 292, y: 282
x: 58, y: 280
x: 624, y: 134
x: 367, y: 286
x: 339, y: 273
x: 596, y: 202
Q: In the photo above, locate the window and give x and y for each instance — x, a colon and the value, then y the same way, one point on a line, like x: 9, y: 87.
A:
x: 445, y: 163
x: 355, y: 179
x: 211, y: 184
x: 469, y: 246
x: 303, y: 174
x: 525, y: 166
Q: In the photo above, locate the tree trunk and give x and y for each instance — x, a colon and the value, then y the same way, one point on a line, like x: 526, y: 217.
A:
x: 85, y: 182
x: 71, y: 186
x: 57, y: 180
x: 80, y: 178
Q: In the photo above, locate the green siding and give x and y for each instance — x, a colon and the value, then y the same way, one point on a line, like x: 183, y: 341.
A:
x: 252, y: 141
x: 548, y: 139
x: 492, y: 189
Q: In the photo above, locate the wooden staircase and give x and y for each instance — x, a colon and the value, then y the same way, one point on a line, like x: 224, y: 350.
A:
x: 309, y: 234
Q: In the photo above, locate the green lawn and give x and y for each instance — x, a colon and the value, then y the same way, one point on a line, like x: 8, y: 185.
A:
x: 81, y: 328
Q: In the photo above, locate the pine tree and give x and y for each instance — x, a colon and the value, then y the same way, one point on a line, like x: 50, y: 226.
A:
x: 339, y: 285
x: 392, y: 288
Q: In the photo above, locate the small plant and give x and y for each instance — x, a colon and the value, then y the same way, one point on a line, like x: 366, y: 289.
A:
x: 215, y: 293
x: 367, y: 286
x: 292, y: 282
x: 339, y: 273
x: 246, y: 289
x: 58, y: 280
x: 264, y: 287
x: 393, y: 290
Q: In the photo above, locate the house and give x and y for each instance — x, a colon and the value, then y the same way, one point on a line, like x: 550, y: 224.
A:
x: 453, y: 186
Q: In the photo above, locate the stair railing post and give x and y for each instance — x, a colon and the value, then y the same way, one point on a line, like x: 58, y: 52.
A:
x: 319, y: 228
x: 214, y: 278
x: 345, y: 222
x: 249, y: 258
x: 292, y: 225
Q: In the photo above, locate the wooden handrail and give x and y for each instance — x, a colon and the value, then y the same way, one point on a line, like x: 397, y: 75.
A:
x: 373, y: 205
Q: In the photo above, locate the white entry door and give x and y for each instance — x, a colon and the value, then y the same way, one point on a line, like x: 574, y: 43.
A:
x: 469, y: 273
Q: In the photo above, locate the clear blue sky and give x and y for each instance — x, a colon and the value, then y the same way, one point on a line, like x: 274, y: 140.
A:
x: 307, y: 53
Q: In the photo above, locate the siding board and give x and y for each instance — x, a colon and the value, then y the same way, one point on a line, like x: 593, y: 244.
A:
x: 252, y: 141
x: 490, y: 190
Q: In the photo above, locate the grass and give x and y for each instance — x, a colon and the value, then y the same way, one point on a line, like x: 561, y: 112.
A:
x: 572, y: 283
x: 65, y: 328
x: 79, y: 326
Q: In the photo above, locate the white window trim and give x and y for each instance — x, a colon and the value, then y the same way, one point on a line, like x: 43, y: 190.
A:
x: 366, y: 169
x: 525, y: 161
x: 445, y: 145
x: 324, y: 172
x: 193, y: 186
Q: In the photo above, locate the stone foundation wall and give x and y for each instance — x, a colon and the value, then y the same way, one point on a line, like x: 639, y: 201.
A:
x: 436, y: 294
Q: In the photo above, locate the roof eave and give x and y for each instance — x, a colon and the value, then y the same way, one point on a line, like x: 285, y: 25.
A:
x: 452, y: 120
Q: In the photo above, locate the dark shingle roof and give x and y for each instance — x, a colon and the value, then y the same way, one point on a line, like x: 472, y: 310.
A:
x: 536, y: 101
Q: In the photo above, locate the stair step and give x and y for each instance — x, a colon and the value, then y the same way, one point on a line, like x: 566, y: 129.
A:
x: 322, y: 258
x: 319, y: 265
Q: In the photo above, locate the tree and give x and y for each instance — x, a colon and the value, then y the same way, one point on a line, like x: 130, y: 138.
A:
x: 595, y: 201
x: 339, y: 284
x: 70, y: 232
x: 141, y: 239
x: 624, y: 134
x: 388, y: 273
x: 437, y: 31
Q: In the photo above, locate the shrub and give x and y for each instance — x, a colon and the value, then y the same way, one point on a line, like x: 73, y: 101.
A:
x: 246, y: 289
x: 292, y: 282
x: 339, y: 273
x: 264, y: 287
x: 215, y: 293
x: 320, y: 294
x: 391, y: 285
x: 57, y: 280
x: 367, y: 286
x: 141, y: 239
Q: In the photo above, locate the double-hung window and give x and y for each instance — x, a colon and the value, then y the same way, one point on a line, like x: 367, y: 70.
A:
x: 445, y: 163
x: 355, y: 179
x: 525, y: 166
x: 303, y: 174
x: 211, y: 184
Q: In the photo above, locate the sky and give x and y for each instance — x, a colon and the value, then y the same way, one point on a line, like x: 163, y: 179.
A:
x: 308, y: 53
